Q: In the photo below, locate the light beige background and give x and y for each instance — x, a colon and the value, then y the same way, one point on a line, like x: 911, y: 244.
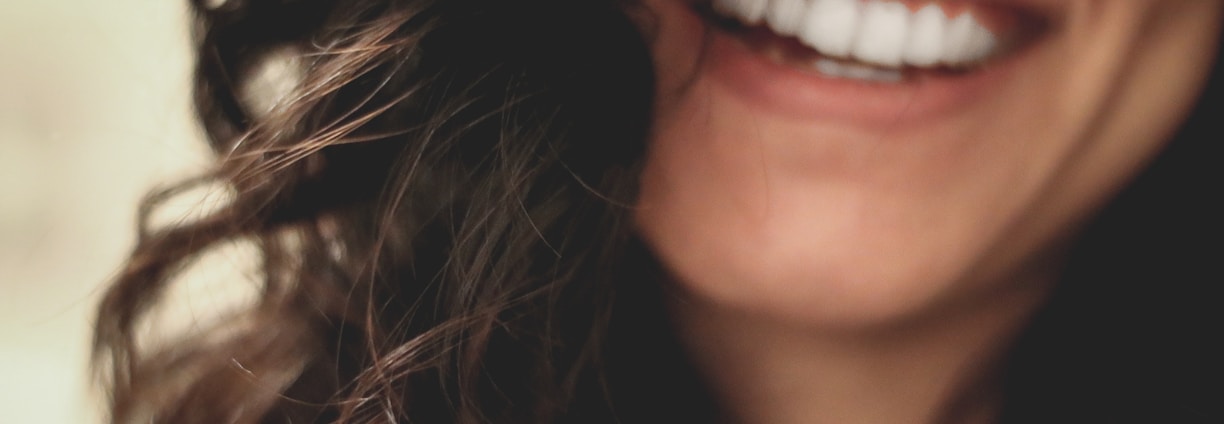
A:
x: 94, y: 112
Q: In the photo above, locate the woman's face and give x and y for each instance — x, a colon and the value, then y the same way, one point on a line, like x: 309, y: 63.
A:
x: 785, y: 182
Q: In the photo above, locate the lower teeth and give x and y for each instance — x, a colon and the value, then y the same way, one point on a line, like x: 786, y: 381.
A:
x: 841, y: 69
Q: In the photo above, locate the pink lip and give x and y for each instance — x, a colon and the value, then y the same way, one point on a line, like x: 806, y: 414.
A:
x: 789, y: 91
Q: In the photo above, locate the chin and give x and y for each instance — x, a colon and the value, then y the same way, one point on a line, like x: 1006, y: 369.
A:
x: 831, y: 264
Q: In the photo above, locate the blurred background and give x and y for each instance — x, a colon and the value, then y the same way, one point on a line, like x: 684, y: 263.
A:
x: 94, y: 112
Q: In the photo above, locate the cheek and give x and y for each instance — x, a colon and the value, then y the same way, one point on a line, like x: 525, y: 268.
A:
x: 676, y: 37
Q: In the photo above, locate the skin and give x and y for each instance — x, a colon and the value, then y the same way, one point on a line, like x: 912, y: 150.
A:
x: 875, y: 273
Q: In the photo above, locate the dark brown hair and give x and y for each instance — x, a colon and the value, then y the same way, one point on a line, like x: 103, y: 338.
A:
x: 440, y: 208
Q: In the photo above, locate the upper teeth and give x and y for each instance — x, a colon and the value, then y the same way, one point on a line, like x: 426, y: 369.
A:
x: 883, y: 33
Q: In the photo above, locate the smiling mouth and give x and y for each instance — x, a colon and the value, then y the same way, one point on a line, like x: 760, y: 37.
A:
x: 877, y: 41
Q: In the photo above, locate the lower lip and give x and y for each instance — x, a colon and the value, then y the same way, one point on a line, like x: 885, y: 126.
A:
x: 788, y: 91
